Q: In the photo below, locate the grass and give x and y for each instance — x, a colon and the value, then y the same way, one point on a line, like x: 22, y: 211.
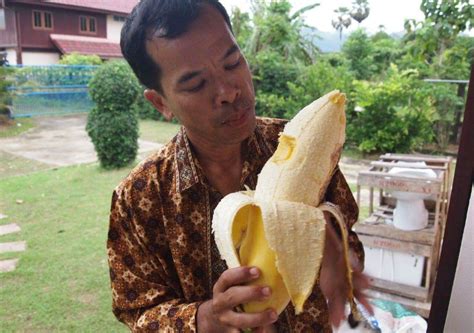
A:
x: 157, y: 131
x: 17, y: 127
x: 61, y: 282
x: 11, y: 165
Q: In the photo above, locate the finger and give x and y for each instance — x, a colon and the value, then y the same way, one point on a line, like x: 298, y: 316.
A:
x: 235, y: 276
x: 249, y: 320
x: 244, y: 294
x: 237, y: 295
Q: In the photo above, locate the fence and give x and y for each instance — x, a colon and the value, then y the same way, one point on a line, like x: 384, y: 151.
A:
x: 51, y: 90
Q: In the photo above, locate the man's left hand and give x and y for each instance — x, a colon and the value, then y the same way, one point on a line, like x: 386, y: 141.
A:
x: 333, y: 279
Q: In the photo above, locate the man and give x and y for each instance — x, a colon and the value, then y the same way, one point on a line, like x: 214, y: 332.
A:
x: 165, y: 269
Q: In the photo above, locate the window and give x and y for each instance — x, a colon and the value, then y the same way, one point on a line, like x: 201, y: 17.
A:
x: 119, y: 18
x: 87, y: 24
x: 42, y: 20
x: 2, y: 19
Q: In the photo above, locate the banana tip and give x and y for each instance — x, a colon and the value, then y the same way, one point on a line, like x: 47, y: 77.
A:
x: 338, y: 98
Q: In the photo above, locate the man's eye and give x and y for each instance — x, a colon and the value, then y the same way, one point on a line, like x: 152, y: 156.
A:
x: 233, y: 66
x: 198, y: 87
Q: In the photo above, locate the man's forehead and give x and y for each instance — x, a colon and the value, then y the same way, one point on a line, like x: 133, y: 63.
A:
x: 208, y: 35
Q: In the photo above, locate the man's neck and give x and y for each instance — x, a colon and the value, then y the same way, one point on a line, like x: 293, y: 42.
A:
x: 222, y: 164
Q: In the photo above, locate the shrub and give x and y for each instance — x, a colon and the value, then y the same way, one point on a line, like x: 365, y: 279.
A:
x: 397, y: 114
x: 5, y: 95
x: 80, y: 59
x: 145, y: 109
x: 113, y: 123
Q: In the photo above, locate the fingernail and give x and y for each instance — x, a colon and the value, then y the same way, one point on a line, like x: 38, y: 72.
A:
x: 266, y: 291
x: 254, y: 271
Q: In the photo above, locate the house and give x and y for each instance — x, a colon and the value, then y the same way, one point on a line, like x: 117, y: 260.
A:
x: 38, y: 32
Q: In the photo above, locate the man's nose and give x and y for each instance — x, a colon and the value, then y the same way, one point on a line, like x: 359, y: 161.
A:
x: 227, y: 91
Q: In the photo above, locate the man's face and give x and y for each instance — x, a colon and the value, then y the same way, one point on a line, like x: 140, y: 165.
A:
x: 206, y: 82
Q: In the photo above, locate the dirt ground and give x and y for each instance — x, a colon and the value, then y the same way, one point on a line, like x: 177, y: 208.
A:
x: 60, y: 141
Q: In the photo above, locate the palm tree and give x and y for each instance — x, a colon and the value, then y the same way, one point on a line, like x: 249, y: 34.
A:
x: 343, y: 20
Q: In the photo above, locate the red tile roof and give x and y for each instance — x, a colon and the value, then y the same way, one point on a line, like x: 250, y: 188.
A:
x: 112, y: 6
x: 102, y: 47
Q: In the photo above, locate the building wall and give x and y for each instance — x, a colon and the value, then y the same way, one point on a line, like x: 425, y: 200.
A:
x: 113, y: 29
x: 461, y: 305
x: 11, y: 56
x: 8, y: 35
x: 64, y: 22
x: 40, y: 58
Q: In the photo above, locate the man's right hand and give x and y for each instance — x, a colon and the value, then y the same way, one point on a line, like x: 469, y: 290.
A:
x: 219, y: 315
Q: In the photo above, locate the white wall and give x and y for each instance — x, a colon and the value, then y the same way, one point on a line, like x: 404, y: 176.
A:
x: 461, y: 310
x: 40, y: 58
x: 113, y: 29
x: 11, y: 56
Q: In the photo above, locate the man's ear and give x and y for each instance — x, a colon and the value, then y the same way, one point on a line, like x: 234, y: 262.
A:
x: 157, y: 100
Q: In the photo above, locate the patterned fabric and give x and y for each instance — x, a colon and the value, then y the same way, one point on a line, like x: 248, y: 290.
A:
x: 162, y: 256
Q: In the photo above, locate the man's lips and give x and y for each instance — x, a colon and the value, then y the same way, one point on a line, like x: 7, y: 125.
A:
x: 238, y: 119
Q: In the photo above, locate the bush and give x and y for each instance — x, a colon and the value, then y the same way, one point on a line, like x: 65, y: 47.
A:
x: 316, y: 81
x: 80, y: 59
x: 113, y: 123
x: 5, y: 95
x: 397, y: 114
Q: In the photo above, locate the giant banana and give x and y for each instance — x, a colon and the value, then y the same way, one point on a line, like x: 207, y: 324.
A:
x: 280, y: 227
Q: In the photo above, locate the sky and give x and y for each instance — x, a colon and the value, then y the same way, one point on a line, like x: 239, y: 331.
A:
x: 390, y: 13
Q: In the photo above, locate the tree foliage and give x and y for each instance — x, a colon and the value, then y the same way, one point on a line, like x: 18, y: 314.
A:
x: 382, y: 75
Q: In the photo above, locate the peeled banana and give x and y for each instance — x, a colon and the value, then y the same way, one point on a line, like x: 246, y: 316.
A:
x: 280, y: 227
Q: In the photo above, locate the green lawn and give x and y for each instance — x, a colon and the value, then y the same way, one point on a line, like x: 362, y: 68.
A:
x: 157, y: 131
x: 61, y: 282
x: 11, y: 165
x: 19, y: 126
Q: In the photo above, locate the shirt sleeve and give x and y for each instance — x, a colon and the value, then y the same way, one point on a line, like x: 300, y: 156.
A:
x: 145, y: 286
x: 340, y: 194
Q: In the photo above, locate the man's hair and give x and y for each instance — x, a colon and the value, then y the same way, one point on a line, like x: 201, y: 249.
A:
x: 158, y: 18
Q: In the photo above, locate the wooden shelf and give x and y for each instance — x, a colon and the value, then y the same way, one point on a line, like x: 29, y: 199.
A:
x: 376, y: 232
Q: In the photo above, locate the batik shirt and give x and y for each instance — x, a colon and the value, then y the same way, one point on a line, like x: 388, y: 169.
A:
x: 162, y: 255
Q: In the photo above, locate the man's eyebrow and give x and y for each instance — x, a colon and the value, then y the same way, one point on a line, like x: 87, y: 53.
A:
x: 188, y: 76
x: 234, y: 48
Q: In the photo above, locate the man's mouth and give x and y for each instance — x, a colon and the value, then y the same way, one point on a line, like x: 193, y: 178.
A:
x: 238, y: 119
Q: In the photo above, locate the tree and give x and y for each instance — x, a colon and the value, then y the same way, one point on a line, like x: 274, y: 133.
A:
x: 360, y: 10
x: 275, y: 29
x: 430, y: 46
x: 240, y: 25
x: 444, y: 20
x: 343, y: 20
x: 358, y: 50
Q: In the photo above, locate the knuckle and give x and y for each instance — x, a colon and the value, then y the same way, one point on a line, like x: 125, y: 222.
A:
x: 216, y: 304
x: 229, y: 298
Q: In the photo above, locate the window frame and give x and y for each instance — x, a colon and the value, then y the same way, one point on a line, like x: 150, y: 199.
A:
x: 42, y: 16
x: 88, y: 20
x: 118, y: 18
